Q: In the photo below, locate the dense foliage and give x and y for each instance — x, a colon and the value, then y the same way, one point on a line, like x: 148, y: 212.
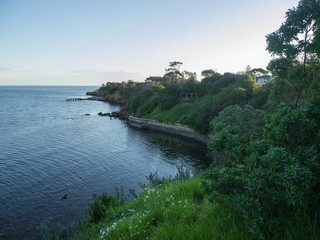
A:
x: 248, y: 120
x: 180, y: 98
x: 273, y: 179
x: 295, y: 46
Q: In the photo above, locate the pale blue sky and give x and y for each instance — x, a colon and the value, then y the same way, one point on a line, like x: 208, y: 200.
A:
x: 77, y: 42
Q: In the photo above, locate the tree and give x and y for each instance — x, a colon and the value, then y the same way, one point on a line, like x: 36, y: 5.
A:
x: 248, y: 69
x: 294, y: 46
x: 189, y: 86
x: 207, y: 73
x: 189, y: 76
x: 169, y: 96
x: 173, y: 74
x: 174, y: 66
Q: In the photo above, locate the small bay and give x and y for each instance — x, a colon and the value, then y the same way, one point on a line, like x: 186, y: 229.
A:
x: 50, y: 147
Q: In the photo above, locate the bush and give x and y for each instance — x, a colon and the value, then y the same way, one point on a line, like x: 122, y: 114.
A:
x: 169, y: 96
x: 99, y: 206
x: 273, y: 182
x: 249, y: 120
x: 148, y: 106
x: 167, y: 102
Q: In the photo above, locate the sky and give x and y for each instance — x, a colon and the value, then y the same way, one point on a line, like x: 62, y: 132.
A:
x: 82, y: 42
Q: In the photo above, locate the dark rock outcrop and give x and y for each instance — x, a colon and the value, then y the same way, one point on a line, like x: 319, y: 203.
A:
x: 103, y: 114
x: 96, y: 93
x: 115, y: 114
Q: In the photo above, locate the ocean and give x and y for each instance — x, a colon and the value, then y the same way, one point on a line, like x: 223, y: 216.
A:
x: 50, y: 147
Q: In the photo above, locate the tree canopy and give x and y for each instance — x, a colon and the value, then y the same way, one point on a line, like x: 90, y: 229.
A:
x: 295, y: 46
x: 207, y: 73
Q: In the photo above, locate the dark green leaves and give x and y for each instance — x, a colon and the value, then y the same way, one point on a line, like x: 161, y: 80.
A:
x: 277, y: 173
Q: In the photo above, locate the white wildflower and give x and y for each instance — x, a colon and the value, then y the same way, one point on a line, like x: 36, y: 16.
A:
x: 151, y: 190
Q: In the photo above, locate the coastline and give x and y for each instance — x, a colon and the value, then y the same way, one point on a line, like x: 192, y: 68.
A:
x: 150, y: 124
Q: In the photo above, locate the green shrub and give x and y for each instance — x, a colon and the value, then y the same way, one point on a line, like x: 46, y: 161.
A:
x: 274, y: 181
x: 148, y: 106
x: 99, y: 206
x: 249, y: 120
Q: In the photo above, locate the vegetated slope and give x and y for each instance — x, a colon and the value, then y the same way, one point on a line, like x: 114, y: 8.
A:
x: 170, y: 102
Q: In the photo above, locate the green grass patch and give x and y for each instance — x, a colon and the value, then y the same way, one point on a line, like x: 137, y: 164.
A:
x: 177, y: 114
x: 176, y: 210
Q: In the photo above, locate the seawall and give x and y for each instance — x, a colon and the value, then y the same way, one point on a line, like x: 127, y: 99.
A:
x: 175, y: 129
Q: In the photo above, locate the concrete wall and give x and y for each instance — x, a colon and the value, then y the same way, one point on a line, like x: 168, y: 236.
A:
x: 176, y: 129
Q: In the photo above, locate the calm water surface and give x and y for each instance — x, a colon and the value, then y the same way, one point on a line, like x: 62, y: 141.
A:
x: 49, y: 147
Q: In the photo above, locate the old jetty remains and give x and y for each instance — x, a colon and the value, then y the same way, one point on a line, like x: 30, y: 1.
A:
x: 94, y: 98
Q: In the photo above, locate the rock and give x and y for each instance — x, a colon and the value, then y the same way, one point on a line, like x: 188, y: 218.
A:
x: 94, y: 93
x: 3, y: 235
x: 64, y: 197
x: 123, y: 113
x: 115, y: 114
x: 102, y: 114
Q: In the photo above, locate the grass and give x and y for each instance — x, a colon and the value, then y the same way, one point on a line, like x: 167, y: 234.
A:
x: 180, y: 209
x: 176, y: 114
x: 176, y: 210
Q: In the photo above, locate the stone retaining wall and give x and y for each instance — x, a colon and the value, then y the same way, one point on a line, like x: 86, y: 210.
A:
x: 176, y: 129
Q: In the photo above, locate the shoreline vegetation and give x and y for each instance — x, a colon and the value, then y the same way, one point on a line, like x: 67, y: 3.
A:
x: 264, y: 182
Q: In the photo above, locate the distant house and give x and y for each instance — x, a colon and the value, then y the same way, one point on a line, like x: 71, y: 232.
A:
x: 264, y: 79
